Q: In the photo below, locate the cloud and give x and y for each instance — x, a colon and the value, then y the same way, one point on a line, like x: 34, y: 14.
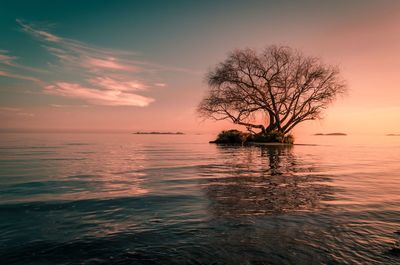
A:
x: 5, y: 58
x: 27, y: 114
x: 78, y: 54
x: 11, y: 111
x: 21, y: 77
x: 38, y: 33
x: 9, y: 61
x: 98, y: 97
x: 81, y: 54
x: 109, y: 63
x: 118, y: 85
x: 160, y: 84
x: 67, y: 106
x: 100, y: 76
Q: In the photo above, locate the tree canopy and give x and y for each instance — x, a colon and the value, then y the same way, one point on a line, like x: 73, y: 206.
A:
x: 270, y: 91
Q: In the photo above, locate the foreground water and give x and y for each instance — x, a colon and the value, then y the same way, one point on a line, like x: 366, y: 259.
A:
x: 175, y: 199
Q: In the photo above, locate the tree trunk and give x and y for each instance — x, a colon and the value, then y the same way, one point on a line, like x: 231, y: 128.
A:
x: 272, y: 123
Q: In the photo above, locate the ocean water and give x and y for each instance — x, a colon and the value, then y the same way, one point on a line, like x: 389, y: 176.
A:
x: 175, y: 199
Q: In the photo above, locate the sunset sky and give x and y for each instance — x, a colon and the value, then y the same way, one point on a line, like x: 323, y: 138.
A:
x: 140, y: 65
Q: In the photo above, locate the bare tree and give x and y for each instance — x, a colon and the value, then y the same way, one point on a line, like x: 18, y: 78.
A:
x: 274, y: 90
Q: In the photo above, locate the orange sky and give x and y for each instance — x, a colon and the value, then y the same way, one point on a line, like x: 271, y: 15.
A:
x: 130, y: 78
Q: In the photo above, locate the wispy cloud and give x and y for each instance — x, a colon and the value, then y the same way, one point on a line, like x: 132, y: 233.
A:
x: 67, y: 106
x: 96, y: 96
x: 80, y: 55
x: 21, y: 77
x: 5, y: 58
x: 118, y: 85
x: 101, y: 76
x: 9, y: 61
x: 160, y: 84
x: 109, y: 63
x: 11, y: 111
x: 37, y: 32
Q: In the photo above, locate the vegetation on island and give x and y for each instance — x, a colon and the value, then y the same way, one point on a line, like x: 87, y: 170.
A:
x: 238, y: 137
x: 269, y: 93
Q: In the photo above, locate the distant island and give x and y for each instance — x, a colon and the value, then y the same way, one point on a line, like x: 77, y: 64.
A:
x: 393, y: 134
x: 330, y: 134
x: 174, y: 133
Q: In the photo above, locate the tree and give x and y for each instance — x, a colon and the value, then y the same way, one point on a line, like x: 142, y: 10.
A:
x: 271, y: 91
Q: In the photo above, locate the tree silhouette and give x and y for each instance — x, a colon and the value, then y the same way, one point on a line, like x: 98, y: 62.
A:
x: 271, y: 91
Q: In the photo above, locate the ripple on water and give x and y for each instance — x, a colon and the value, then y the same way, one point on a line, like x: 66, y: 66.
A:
x: 118, y: 199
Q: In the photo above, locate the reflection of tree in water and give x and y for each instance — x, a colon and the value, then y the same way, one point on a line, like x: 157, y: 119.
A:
x: 264, y: 181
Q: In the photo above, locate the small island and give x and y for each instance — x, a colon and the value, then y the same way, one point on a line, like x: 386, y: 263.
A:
x: 169, y: 133
x: 330, y: 134
x: 393, y: 134
x: 269, y: 93
x: 237, y: 137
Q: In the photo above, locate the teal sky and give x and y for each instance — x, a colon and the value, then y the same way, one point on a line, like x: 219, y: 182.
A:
x: 140, y: 65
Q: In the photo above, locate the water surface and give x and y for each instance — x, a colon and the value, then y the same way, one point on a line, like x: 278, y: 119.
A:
x: 175, y: 199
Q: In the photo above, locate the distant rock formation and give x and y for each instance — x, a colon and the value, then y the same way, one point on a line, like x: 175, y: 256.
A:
x: 175, y: 133
x: 330, y: 134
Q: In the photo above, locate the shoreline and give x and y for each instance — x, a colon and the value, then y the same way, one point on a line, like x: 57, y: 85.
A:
x: 262, y: 144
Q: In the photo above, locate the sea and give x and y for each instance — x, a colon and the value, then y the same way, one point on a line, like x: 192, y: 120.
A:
x: 121, y: 198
